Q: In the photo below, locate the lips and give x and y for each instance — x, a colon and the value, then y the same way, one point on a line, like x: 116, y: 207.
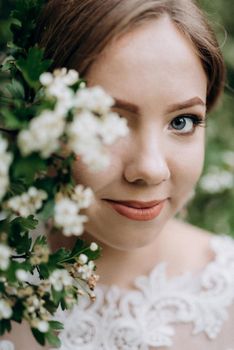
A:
x: 141, y: 211
x: 137, y: 204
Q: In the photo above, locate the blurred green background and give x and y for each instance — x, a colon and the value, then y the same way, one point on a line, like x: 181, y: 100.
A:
x: 213, y: 204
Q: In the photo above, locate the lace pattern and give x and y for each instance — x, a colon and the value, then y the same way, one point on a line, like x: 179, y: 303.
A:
x: 146, y: 317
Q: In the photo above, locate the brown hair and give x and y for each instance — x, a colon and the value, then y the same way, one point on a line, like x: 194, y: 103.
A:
x: 75, y: 32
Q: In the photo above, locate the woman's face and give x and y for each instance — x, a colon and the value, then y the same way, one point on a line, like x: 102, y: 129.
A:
x: 160, y: 87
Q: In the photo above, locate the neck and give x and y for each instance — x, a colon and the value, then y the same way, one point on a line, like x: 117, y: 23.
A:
x: 120, y: 267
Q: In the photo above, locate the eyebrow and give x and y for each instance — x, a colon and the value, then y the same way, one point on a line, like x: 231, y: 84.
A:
x: 133, y: 108
x: 128, y: 106
x: 186, y: 104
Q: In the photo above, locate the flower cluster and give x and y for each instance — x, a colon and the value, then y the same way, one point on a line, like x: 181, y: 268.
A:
x: 67, y: 209
x: 5, y: 310
x: 28, y: 203
x: 42, y: 135
x: 49, y: 120
x: 93, y: 124
x: 5, y: 254
x: 217, y: 181
x: 75, y: 121
x: 60, y: 278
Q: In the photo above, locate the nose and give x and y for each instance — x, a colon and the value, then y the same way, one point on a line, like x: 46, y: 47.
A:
x: 147, y: 163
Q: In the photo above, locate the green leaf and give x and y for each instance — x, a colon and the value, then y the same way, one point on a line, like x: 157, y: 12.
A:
x: 4, y: 225
x: 44, y: 271
x: 17, y: 187
x: 11, y: 272
x: 78, y: 247
x: 27, y: 167
x: 23, y: 244
x: 18, y: 310
x: 48, y: 184
x: 33, y: 66
x: 16, y: 89
x: 56, y: 325
x: 7, y: 64
x: 24, y: 21
x: 18, y: 233
x: 53, y: 339
x: 47, y: 211
x: 57, y: 295
x: 40, y: 337
x: 41, y: 240
x: 50, y: 305
x: 5, y: 326
x: 59, y: 256
x: 2, y: 288
x: 11, y: 120
x: 24, y: 224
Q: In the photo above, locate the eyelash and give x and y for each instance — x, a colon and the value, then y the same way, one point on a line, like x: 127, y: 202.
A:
x: 196, y: 120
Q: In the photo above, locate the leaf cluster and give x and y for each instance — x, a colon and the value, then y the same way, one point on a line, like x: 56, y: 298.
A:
x: 22, y: 99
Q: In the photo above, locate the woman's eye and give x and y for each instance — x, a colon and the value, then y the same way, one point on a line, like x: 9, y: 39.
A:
x: 185, y: 124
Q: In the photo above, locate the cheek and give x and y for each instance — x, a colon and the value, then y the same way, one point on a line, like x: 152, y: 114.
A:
x: 83, y: 175
x: 188, y: 168
x: 97, y: 181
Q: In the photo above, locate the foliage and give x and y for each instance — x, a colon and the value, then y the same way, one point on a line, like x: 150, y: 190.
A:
x: 46, y: 120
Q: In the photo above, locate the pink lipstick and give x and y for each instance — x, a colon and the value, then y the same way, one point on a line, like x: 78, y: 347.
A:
x: 143, y: 213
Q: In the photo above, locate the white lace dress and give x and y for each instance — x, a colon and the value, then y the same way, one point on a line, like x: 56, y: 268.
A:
x: 182, y: 313
x: 187, y: 312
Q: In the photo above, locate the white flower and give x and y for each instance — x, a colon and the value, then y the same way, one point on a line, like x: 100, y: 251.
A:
x: 66, y: 77
x: 66, y: 216
x: 71, y: 77
x: 5, y: 161
x: 217, y: 181
x: 93, y: 246
x: 5, y: 253
x: 82, y: 85
x: 43, y: 134
x: 43, y: 326
x: 60, y: 278
x: 77, y: 228
x: 65, y: 211
x: 112, y: 127
x: 21, y: 275
x: 82, y: 259
x: 82, y: 196
x: 46, y: 78
x: 93, y: 154
x: 57, y: 85
x: 5, y: 310
x: 95, y: 99
x: 6, y: 345
x: 85, y: 124
x: 84, y: 139
x: 27, y: 203
x: 86, y: 270
x: 87, y: 133
x: 33, y: 303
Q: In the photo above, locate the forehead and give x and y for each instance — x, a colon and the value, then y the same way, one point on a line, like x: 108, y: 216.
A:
x: 153, y: 58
